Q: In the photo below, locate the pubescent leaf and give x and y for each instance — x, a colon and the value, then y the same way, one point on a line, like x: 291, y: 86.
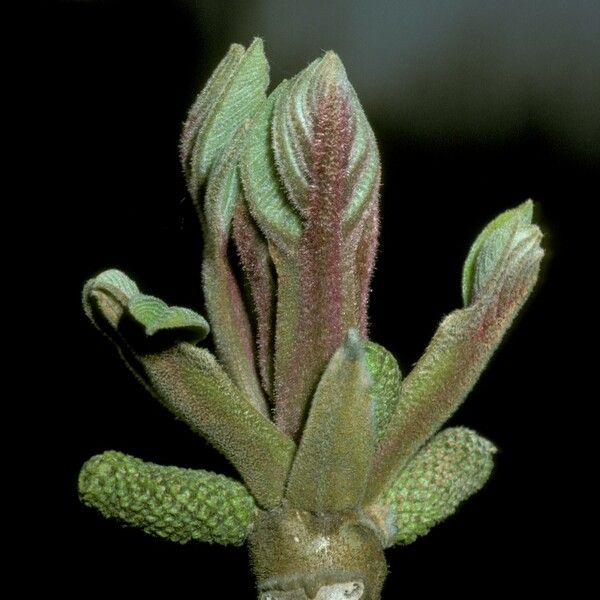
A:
x: 169, y: 502
x: 258, y: 268
x: 263, y: 190
x: 504, y: 235
x: 214, y: 88
x: 314, y: 209
x: 332, y: 464
x: 225, y: 305
x: 497, y: 285
x: 119, y: 280
x: 318, y: 94
x: 232, y: 94
x: 156, y: 315
x: 190, y: 382
x: 150, y: 312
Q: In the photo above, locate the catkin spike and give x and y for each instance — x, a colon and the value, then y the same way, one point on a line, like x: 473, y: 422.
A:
x: 455, y: 464
x: 168, y: 502
x: 386, y: 381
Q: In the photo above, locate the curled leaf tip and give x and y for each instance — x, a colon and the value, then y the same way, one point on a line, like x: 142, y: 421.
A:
x: 232, y: 94
x: 504, y: 256
x: 117, y: 279
x: 113, y: 295
x: 155, y: 315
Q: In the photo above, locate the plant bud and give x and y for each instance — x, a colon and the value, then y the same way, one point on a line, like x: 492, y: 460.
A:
x: 232, y: 94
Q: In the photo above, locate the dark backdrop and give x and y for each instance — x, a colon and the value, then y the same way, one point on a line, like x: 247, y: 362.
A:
x: 113, y: 81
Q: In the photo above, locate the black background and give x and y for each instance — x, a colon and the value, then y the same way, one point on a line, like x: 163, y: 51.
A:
x: 112, y: 87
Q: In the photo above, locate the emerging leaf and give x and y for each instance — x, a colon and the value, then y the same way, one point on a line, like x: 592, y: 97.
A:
x: 232, y: 94
x: 334, y: 457
x: 189, y: 382
x: 258, y: 268
x: 263, y: 190
x: 169, y: 502
x: 156, y: 315
x: 321, y: 137
x: 151, y: 313
x: 211, y: 144
x: 224, y: 303
x: 118, y: 279
x: 500, y: 273
x: 508, y: 237
x: 310, y: 172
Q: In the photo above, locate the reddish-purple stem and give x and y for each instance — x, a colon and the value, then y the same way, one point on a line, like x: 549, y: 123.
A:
x: 320, y: 325
x: 254, y: 256
x: 365, y: 263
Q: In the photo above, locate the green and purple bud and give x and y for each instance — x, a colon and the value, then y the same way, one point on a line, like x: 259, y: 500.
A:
x: 351, y: 461
x: 212, y: 140
x: 310, y: 173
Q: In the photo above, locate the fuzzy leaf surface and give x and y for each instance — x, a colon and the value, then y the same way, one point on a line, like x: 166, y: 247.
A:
x: 231, y: 95
x: 225, y: 305
x: 386, y: 381
x: 334, y: 457
x: 191, y: 383
x: 497, y: 288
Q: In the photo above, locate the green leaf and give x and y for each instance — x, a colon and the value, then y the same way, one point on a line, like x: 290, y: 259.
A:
x: 334, y: 457
x: 259, y: 276
x: 266, y: 199
x: 117, y: 279
x: 155, y: 315
x: 189, y: 382
x: 151, y: 313
x: 385, y: 389
x: 455, y: 464
x: 205, y: 102
x: 223, y: 191
x: 233, y: 93
x: 227, y: 312
x: 505, y: 235
x: 168, y: 502
x: 498, y: 286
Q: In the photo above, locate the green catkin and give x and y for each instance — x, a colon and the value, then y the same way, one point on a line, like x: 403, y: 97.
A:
x: 168, y: 502
x: 451, y: 467
x: 385, y: 387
